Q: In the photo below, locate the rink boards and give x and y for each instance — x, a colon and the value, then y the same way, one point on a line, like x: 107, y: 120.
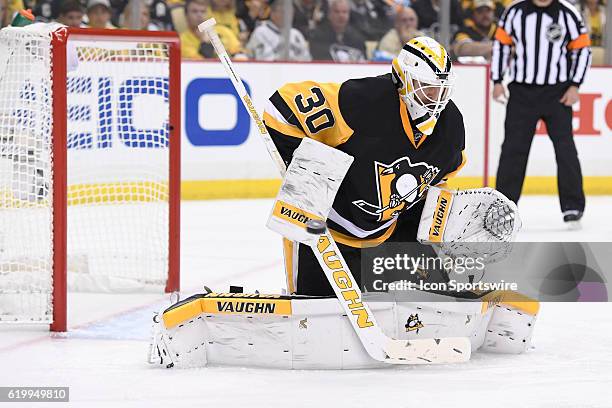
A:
x: 223, y: 156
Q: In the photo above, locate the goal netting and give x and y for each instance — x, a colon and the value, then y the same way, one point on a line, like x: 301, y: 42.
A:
x: 88, y: 166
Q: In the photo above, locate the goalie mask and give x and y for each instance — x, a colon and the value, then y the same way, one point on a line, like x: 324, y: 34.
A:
x: 423, y: 75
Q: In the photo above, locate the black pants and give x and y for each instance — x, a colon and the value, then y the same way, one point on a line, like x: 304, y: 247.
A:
x: 311, y: 279
x: 526, y: 105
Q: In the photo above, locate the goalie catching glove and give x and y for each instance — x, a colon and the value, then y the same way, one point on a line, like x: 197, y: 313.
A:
x: 478, y: 222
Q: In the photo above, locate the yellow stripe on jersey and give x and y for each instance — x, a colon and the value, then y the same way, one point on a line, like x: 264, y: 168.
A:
x: 454, y: 172
x: 406, y: 123
x: 284, y: 128
x: 362, y: 242
x: 316, y: 107
x: 424, y: 127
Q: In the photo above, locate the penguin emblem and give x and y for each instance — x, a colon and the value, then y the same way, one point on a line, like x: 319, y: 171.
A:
x: 404, y: 185
x: 414, y: 323
x: 400, y: 184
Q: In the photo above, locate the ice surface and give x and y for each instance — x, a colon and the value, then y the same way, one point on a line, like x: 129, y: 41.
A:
x: 102, y: 358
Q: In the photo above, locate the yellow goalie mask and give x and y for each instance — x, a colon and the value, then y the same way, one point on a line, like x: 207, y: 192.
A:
x: 424, y: 78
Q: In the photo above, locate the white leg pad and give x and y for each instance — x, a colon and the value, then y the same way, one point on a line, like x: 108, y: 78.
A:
x: 509, y: 331
x: 293, y: 332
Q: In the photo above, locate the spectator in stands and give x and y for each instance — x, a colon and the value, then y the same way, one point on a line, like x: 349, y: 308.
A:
x: 71, y: 13
x: 3, y: 13
x: 594, y: 15
x: 160, y: 15
x: 99, y: 14
x: 266, y: 42
x: 117, y: 8
x: 468, y: 7
x: 307, y: 15
x: 12, y: 7
x: 45, y: 10
x: 370, y: 18
x: 195, y: 44
x: 250, y: 13
x: 476, y: 38
x: 224, y: 12
x: 427, y: 10
x: 177, y: 15
x: 335, y: 39
x: 144, y: 22
x: 406, y: 23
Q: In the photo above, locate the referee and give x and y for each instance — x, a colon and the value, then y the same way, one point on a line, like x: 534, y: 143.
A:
x: 545, y: 45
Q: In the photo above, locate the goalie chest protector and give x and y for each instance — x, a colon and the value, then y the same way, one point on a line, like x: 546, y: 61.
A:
x: 394, y: 162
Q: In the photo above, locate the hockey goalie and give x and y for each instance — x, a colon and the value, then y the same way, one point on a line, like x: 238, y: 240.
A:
x: 365, y: 163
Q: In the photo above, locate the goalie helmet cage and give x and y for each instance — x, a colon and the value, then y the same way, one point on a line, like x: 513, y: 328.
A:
x: 113, y: 98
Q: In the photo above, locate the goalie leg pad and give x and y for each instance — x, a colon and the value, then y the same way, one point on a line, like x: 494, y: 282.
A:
x: 271, y: 331
x: 511, y: 326
x: 299, y: 332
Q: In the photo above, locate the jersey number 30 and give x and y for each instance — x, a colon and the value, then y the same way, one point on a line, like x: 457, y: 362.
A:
x: 319, y: 119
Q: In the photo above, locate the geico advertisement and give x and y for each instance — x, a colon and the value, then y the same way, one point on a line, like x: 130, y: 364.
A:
x: 220, y: 142
x: 592, y: 131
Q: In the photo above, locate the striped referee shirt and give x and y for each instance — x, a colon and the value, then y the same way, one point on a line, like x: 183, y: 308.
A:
x: 541, y: 45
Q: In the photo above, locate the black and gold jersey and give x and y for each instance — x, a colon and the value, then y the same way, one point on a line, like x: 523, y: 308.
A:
x: 394, y: 163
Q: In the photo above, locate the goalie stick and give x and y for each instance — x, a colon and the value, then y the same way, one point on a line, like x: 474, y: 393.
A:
x: 377, y: 344
x: 207, y: 27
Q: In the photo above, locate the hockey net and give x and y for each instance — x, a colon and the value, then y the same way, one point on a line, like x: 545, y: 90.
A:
x: 89, y: 166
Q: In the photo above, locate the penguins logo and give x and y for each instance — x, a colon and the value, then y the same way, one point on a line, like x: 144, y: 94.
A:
x: 413, y: 323
x: 400, y: 185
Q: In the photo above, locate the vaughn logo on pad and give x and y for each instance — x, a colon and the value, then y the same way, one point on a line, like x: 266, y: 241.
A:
x: 294, y: 215
x: 246, y: 307
x: 440, y: 216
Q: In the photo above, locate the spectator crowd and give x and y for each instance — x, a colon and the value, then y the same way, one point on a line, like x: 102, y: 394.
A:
x: 335, y: 30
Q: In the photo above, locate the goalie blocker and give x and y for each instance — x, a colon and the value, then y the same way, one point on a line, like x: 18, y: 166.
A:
x: 303, y: 332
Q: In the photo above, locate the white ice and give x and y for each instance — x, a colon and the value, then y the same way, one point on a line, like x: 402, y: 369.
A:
x: 102, y: 358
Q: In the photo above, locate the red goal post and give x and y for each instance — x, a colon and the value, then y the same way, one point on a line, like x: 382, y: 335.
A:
x: 94, y: 152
